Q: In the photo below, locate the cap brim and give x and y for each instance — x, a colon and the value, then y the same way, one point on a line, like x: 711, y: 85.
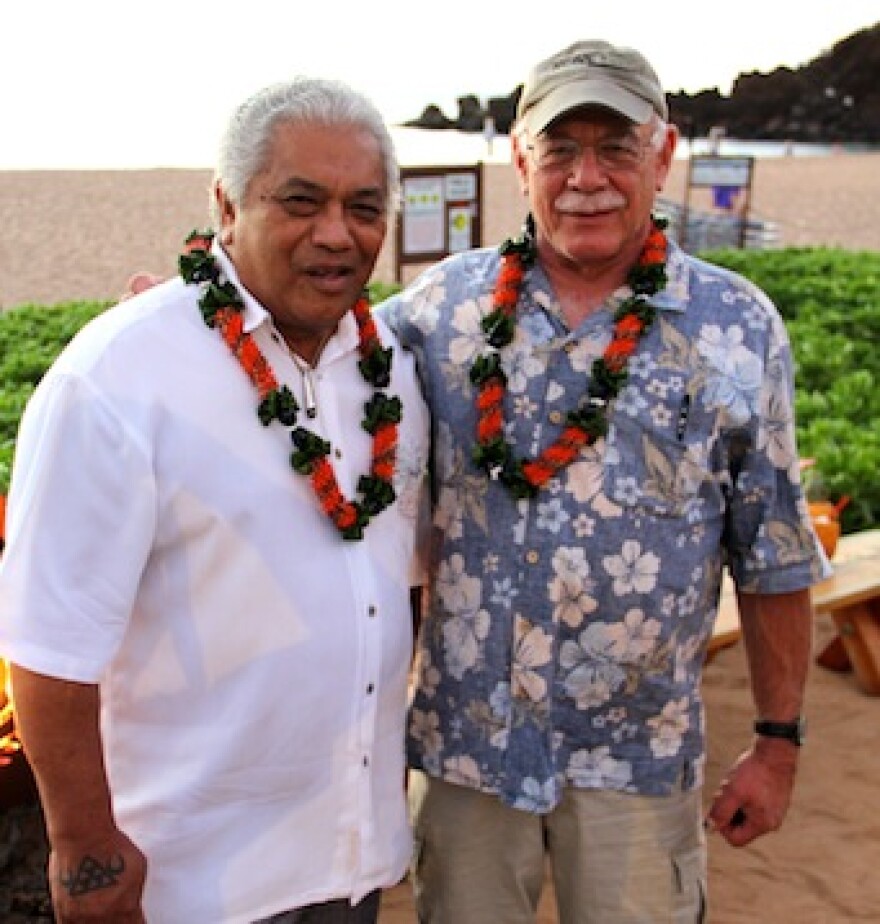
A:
x: 575, y: 95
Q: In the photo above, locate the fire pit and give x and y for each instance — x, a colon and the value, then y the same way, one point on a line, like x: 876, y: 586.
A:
x: 24, y: 895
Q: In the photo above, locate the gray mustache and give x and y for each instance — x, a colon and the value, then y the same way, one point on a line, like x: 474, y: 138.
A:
x: 579, y: 203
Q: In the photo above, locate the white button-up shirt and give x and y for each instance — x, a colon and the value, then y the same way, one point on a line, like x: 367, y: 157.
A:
x: 252, y: 662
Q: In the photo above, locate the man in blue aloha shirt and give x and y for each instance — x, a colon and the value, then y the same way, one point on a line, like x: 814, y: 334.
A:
x: 613, y: 425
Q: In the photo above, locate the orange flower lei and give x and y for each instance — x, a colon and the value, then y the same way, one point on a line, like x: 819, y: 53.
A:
x: 222, y: 308
x: 524, y: 477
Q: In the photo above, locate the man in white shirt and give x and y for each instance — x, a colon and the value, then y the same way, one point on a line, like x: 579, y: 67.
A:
x: 211, y: 543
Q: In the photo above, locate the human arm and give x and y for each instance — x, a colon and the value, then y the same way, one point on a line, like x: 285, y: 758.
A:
x: 754, y: 796
x: 96, y: 873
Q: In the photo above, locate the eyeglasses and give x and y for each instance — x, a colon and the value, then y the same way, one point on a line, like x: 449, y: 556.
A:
x: 615, y: 153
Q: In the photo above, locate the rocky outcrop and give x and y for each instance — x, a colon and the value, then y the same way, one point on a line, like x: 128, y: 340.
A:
x: 836, y: 97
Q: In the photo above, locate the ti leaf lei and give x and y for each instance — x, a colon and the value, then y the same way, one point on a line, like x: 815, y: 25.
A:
x: 589, y: 422
x: 222, y: 307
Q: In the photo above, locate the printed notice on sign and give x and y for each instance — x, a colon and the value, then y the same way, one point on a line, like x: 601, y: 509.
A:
x: 721, y: 171
x: 461, y: 187
x: 423, y: 215
x: 459, y: 228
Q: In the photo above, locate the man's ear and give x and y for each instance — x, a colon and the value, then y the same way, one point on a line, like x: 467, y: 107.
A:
x: 666, y: 155
x: 520, y: 161
x: 226, y: 211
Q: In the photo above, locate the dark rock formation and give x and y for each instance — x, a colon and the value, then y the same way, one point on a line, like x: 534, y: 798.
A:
x: 836, y: 97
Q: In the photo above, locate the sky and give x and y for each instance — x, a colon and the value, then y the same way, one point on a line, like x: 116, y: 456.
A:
x: 111, y: 84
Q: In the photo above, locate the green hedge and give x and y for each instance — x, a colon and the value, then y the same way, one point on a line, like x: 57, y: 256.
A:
x: 830, y: 300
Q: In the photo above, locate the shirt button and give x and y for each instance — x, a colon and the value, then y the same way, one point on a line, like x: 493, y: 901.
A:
x: 371, y: 610
x: 532, y: 556
x: 370, y: 688
x: 337, y: 453
x: 555, y: 417
x: 366, y: 760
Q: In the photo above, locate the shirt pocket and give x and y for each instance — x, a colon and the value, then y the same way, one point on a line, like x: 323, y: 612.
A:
x: 650, y: 473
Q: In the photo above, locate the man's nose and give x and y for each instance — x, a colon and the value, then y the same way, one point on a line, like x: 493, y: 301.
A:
x: 330, y: 228
x: 586, y: 170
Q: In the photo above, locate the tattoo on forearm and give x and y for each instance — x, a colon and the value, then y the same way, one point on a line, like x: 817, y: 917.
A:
x: 92, y: 875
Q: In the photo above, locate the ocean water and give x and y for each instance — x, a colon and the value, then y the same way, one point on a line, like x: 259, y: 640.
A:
x: 421, y: 148
x: 415, y: 148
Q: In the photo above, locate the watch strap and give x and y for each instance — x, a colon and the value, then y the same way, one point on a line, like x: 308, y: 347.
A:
x: 789, y: 731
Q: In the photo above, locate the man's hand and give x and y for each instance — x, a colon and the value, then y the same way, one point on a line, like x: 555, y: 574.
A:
x: 100, y: 882
x: 754, y: 796
x: 138, y: 283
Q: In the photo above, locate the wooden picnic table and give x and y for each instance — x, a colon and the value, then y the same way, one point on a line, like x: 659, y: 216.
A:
x: 851, y: 596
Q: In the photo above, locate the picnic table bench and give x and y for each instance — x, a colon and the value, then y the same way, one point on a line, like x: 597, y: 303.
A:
x: 851, y: 596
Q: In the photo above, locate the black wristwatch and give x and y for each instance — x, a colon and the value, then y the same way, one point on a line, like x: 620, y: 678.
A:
x: 795, y: 731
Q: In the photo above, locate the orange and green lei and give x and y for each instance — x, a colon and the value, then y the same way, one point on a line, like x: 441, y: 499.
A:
x: 589, y: 422
x: 222, y: 306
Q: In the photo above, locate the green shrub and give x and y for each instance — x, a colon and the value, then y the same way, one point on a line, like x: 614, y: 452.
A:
x: 830, y: 300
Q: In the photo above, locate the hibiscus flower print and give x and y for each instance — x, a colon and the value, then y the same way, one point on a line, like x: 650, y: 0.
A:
x: 592, y: 662
x: 465, y: 625
x: 633, y: 572
x: 733, y: 373
x: 641, y: 635
x: 586, y: 351
x: 461, y: 641
x: 778, y: 436
x: 583, y: 480
x: 425, y: 305
x: 463, y: 771
x: 536, y: 796
x: 424, y: 727
x: 551, y: 515
x: 520, y: 365
x: 668, y: 728
x: 532, y: 648
x: 504, y: 592
x: 465, y: 348
x: 458, y: 591
x: 427, y: 673
x: 597, y: 769
x: 570, y: 589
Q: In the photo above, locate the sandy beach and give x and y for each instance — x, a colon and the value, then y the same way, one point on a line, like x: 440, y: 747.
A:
x: 79, y: 235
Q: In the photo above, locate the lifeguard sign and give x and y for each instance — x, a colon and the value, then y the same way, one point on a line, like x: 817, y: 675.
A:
x: 728, y: 177
x: 439, y: 215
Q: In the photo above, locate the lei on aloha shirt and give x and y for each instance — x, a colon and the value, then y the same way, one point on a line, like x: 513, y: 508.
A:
x: 633, y: 318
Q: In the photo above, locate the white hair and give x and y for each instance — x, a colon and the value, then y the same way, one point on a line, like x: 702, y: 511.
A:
x: 245, y: 142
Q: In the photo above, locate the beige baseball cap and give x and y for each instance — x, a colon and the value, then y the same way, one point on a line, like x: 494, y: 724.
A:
x: 591, y: 73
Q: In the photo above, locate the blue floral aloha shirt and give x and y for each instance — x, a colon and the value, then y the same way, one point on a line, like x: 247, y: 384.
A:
x: 565, y: 635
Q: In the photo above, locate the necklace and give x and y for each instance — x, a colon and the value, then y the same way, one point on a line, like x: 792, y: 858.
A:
x: 634, y: 316
x: 222, y: 309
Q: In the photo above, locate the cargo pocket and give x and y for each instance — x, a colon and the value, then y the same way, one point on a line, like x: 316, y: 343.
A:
x: 689, y: 904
